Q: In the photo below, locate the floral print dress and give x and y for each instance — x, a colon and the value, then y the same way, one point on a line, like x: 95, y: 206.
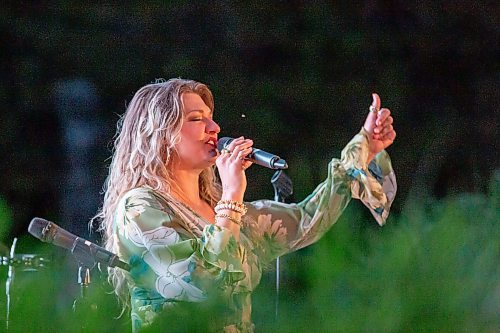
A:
x: 174, y: 260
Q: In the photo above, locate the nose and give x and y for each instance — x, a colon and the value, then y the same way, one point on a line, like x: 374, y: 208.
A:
x: 212, y: 127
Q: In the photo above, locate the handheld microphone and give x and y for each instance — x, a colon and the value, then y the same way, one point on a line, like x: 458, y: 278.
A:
x: 50, y: 232
x: 257, y: 156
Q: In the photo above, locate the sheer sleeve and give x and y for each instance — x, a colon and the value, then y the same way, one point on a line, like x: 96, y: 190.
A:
x: 163, y: 260
x: 277, y: 228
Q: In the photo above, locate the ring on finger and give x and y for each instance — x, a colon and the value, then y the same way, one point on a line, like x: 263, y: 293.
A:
x: 374, y: 109
x: 225, y: 151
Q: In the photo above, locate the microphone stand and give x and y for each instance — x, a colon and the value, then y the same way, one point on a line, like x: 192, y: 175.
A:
x: 86, y: 253
x: 283, y: 188
x: 10, y: 279
x: 27, y: 262
x: 86, y: 262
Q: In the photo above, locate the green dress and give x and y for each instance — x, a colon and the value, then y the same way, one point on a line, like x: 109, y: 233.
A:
x: 174, y: 260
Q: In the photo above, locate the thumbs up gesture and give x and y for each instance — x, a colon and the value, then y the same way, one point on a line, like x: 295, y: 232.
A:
x: 378, y: 125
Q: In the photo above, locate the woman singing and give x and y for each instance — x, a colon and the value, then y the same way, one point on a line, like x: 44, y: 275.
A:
x: 190, y: 236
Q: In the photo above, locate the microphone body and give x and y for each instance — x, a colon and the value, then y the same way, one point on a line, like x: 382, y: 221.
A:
x: 50, y: 232
x: 257, y: 156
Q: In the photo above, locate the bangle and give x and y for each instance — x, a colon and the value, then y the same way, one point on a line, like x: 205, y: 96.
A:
x: 232, y: 219
x: 236, y: 206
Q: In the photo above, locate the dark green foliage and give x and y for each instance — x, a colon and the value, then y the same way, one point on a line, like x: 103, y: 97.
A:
x: 435, y: 274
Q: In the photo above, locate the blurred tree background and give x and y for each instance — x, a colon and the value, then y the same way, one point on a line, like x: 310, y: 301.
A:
x: 297, y: 77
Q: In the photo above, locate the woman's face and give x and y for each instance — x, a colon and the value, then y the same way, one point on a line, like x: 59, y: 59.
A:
x: 197, y: 147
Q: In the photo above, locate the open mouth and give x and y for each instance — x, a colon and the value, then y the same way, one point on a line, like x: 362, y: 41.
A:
x: 212, y: 142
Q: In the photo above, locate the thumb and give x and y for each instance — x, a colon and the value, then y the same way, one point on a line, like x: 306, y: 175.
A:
x: 376, y: 101
x: 370, y: 122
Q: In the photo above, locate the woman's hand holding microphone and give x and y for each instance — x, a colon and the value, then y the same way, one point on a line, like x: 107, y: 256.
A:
x: 232, y: 164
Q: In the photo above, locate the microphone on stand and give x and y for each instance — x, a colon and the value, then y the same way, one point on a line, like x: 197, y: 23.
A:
x: 86, y: 251
x: 257, y: 156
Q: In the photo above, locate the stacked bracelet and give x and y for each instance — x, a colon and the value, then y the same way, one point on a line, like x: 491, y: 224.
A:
x: 230, y: 218
x: 235, y: 206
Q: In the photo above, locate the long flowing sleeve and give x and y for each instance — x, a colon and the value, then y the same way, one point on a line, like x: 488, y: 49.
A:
x: 277, y: 228
x: 151, y: 237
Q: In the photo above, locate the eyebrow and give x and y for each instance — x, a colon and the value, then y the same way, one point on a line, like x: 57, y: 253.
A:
x: 201, y: 111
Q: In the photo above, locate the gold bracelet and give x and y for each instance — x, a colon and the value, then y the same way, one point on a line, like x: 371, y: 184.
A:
x: 232, y: 208
x: 236, y: 206
x: 230, y: 218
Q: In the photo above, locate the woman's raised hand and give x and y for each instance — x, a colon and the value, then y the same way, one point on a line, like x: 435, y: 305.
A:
x: 379, y: 127
x: 232, y: 164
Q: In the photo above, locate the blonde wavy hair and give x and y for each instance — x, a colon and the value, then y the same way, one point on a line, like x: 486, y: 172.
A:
x: 144, y: 145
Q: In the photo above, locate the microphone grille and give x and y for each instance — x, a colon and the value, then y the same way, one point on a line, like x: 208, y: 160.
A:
x: 223, y: 142
x: 38, y: 228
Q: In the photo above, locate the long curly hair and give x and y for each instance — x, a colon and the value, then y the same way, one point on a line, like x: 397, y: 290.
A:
x: 143, y: 149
